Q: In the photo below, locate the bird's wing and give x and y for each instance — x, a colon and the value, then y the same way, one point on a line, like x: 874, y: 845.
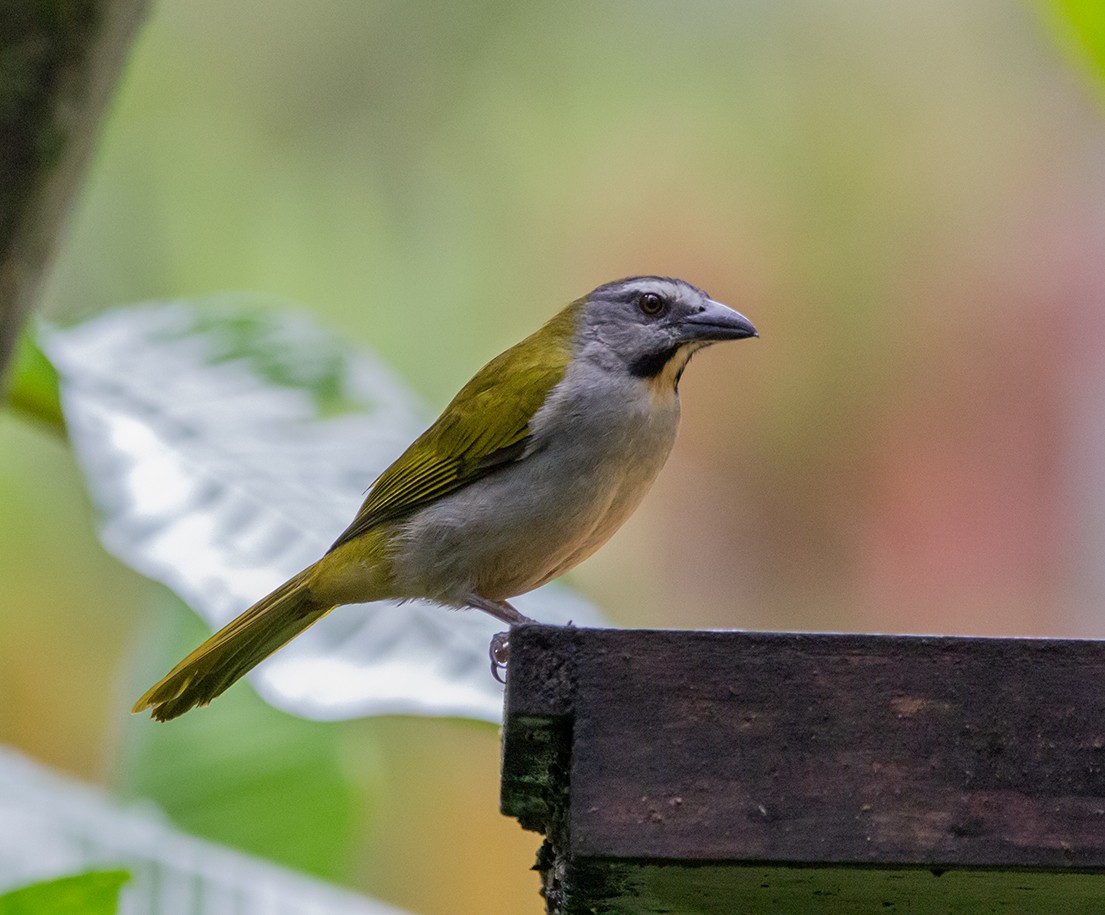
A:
x: 486, y: 426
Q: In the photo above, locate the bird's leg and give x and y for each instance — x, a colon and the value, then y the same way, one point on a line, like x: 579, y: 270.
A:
x: 500, y: 609
x: 499, y: 650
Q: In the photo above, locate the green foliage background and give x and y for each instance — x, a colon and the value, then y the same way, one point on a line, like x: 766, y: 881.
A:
x: 94, y: 893
x: 1082, y: 23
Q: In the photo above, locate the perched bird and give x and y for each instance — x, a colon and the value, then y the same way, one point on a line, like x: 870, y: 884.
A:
x: 528, y: 471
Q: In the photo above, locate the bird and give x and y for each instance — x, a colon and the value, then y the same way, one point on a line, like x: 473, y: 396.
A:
x: 531, y: 467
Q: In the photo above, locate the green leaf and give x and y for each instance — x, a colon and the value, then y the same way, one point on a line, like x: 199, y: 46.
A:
x: 243, y: 773
x: 316, y: 366
x: 32, y: 387
x: 93, y: 893
x: 1081, y: 27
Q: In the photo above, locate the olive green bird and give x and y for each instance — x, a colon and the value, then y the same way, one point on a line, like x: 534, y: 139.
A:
x: 530, y: 469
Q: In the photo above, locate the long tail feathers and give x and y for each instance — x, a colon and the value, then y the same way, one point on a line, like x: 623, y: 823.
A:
x: 234, y: 650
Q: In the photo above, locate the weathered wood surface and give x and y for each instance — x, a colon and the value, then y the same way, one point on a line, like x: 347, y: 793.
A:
x: 771, y: 772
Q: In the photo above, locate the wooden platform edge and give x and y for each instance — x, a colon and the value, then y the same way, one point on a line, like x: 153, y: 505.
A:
x: 638, y: 751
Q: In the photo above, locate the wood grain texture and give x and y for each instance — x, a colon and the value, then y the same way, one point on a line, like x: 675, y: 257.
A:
x: 638, y: 750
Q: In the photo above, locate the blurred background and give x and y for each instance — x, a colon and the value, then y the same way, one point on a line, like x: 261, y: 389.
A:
x: 907, y: 199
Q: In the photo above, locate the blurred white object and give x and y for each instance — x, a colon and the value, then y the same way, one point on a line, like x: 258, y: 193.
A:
x: 226, y: 446
x: 51, y: 826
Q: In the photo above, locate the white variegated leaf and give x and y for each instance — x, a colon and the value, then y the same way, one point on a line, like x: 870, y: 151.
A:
x: 51, y: 825
x: 226, y: 444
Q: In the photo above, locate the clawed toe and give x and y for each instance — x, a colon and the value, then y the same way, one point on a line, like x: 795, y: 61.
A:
x: 499, y: 652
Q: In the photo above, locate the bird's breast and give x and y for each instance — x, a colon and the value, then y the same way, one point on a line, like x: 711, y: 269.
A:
x: 594, y: 453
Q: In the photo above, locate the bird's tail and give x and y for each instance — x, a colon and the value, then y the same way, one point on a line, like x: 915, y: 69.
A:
x: 235, y: 649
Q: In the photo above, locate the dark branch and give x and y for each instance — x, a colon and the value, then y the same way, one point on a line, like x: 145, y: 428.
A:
x: 58, y: 65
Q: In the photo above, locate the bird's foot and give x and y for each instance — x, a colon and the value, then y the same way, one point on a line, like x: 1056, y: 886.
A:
x: 499, y: 652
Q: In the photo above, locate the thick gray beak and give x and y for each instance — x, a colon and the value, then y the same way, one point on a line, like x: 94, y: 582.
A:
x: 715, y: 321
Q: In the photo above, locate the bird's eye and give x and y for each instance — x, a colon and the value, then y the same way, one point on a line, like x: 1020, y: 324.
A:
x: 651, y: 304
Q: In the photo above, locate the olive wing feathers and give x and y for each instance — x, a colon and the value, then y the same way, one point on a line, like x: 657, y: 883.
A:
x: 486, y: 426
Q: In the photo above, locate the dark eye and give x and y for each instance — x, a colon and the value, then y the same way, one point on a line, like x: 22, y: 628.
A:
x: 651, y: 303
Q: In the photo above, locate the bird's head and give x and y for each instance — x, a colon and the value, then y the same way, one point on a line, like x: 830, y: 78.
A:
x: 650, y: 326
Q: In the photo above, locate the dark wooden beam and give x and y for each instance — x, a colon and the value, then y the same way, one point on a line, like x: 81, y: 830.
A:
x: 698, y: 771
